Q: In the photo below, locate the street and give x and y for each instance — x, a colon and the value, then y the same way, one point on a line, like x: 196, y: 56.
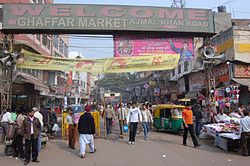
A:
x: 161, y: 149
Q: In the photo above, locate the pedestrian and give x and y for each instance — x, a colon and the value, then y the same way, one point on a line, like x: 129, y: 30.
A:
x: 187, y: 116
x: 30, y: 129
x: 198, y: 119
x: 122, y: 115
x: 147, y: 119
x: 39, y: 116
x: 110, y: 116
x: 72, y: 129
x: 134, y: 117
x: 6, y: 119
x: 46, y: 117
x: 245, y: 133
x: 52, y: 118
x: 86, y: 129
x: 19, y: 138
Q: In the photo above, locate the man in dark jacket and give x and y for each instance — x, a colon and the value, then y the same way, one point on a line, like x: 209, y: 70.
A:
x: 86, y: 129
x: 30, y: 130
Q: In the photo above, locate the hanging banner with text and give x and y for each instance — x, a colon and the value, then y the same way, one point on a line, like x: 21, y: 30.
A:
x: 107, y: 65
x: 139, y: 45
x: 69, y: 18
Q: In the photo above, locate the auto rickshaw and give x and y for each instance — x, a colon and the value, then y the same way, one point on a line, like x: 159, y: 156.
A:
x: 168, y: 117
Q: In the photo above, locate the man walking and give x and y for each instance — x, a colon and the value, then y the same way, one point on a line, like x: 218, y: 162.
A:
x: 30, y: 129
x: 122, y: 115
x: 198, y: 119
x: 245, y: 133
x: 187, y: 116
x: 86, y: 129
x: 134, y: 116
x: 72, y: 129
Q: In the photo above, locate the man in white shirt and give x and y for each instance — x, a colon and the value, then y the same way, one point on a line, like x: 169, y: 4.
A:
x: 245, y: 133
x: 221, y: 117
x: 4, y: 123
x: 134, y: 116
x: 39, y: 116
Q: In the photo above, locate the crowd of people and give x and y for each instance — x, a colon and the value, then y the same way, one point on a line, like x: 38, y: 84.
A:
x: 23, y: 128
x: 31, y: 122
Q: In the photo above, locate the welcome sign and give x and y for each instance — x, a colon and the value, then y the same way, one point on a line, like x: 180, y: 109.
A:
x: 107, y: 18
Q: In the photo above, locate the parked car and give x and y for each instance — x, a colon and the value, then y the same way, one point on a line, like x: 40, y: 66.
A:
x: 77, y: 108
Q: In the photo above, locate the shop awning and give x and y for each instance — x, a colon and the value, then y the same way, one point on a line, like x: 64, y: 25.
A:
x: 192, y: 95
x: 242, y: 81
x: 20, y: 77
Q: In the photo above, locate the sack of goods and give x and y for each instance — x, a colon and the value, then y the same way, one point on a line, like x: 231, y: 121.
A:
x: 56, y: 128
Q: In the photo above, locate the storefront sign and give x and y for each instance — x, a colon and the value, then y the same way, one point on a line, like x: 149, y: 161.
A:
x: 70, y: 18
x: 241, y: 71
x: 107, y: 65
x: 221, y: 73
x: 197, y: 81
x: 141, y: 45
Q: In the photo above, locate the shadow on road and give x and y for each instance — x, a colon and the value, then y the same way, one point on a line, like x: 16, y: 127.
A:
x: 63, y: 146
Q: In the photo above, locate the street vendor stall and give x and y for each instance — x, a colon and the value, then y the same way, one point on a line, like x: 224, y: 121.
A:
x: 225, y: 134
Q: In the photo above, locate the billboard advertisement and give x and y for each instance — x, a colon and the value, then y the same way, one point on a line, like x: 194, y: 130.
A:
x: 138, y: 45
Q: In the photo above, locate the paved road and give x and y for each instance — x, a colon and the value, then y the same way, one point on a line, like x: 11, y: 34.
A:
x: 162, y: 149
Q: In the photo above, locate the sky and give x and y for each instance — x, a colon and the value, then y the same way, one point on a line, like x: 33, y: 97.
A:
x: 102, y: 47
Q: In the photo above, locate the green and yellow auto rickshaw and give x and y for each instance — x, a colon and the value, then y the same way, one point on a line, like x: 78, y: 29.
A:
x: 168, y: 117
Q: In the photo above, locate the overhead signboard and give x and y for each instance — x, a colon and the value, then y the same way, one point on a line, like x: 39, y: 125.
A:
x: 66, y: 18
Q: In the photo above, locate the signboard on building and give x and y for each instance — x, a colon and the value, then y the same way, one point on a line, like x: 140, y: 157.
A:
x: 242, y: 44
x: 197, y: 81
x: 141, y: 45
x: 241, y: 71
x: 69, y: 18
x: 224, y: 43
x: 221, y: 73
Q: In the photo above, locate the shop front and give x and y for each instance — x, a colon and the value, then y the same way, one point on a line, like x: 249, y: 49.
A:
x: 26, y: 90
x: 241, y: 76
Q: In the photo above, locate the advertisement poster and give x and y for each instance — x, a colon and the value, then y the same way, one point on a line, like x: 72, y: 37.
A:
x: 127, y: 46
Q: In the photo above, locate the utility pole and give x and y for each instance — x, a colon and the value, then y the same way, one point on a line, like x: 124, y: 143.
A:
x: 7, y: 67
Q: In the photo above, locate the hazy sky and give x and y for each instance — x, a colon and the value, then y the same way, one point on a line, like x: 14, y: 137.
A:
x: 94, y: 47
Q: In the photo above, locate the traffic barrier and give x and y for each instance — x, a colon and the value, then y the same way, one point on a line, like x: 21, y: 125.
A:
x: 65, y: 126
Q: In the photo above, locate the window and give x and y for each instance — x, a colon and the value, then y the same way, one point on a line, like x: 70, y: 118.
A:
x: 173, y: 72
x: 44, y: 40
x: 56, y: 41
x: 179, y: 69
x: 38, y: 37
x: 186, y: 64
x: 65, y: 50
x: 48, y: 43
x: 61, y: 46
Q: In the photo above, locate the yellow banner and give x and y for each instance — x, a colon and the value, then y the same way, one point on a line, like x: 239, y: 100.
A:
x: 107, y: 65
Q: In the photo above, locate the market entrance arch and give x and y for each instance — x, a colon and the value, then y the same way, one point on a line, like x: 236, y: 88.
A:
x: 105, y: 19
